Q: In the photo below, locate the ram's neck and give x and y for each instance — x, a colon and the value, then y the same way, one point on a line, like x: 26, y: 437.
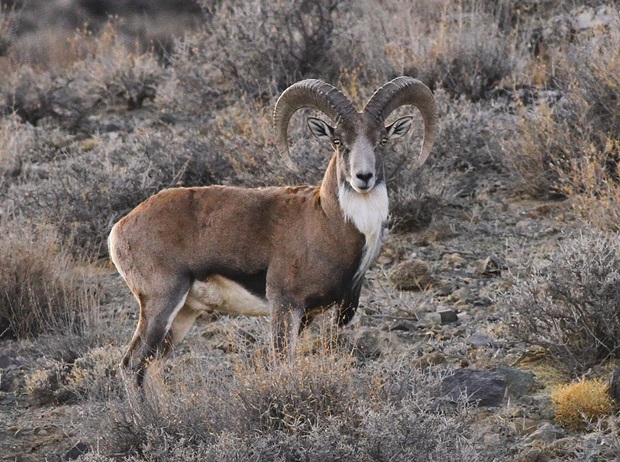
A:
x: 329, y: 191
x: 368, y: 213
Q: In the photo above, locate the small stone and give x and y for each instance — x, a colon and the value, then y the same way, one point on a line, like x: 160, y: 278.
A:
x: 168, y: 118
x: 454, y: 259
x: 463, y: 294
x: 464, y: 316
x: 448, y: 316
x: 411, y: 275
x: 402, y: 325
x: 9, y: 359
x: 76, y: 451
x: 430, y: 319
x: 491, y: 266
x: 546, y: 433
x: 445, y: 290
x: 479, y: 340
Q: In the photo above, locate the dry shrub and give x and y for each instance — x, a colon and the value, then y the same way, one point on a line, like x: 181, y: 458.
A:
x: 297, y: 397
x: 465, y: 161
x: 113, y: 73
x: 7, y: 28
x: 567, y: 144
x: 15, y: 143
x: 472, y: 63
x: 89, y: 184
x: 28, y: 94
x: 104, y: 71
x: 453, y: 45
x: 320, y: 407
x: 242, y: 136
x: 92, y: 374
x: 541, y: 147
x: 581, y: 403
x: 262, y: 45
x: 594, y: 187
x: 593, y: 174
x: 570, y: 307
x: 43, y: 31
x: 40, y: 289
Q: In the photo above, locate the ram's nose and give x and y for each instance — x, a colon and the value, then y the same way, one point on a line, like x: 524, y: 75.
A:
x: 363, y: 181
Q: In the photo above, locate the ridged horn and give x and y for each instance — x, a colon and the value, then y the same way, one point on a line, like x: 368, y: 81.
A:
x: 402, y: 91
x: 311, y: 93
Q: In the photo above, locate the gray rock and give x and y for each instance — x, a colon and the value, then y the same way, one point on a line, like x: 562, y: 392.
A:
x: 9, y: 359
x: 614, y: 385
x: 518, y: 382
x: 445, y: 290
x: 437, y: 318
x: 485, y: 388
x: 463, y: 294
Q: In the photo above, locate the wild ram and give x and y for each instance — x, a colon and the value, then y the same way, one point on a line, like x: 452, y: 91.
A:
x: 288, y: 252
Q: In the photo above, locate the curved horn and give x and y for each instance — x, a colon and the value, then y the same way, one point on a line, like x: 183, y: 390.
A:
x: 402, y: 91
x: 308, y: 93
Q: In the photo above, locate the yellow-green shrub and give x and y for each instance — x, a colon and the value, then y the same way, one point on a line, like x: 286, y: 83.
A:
x: 577, y: 404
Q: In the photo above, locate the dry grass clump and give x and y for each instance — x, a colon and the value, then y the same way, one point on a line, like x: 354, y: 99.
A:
x: 581, y: 403
x: 40, y: 288
x: 571, y: 307
x: 473, y: 60
x: 92, y: 374
x: 321, y: 407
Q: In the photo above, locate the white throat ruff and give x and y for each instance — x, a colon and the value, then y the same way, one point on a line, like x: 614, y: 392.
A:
x: 369, y: 213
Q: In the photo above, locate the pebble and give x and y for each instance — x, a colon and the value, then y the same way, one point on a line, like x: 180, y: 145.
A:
x: 546, y: 433
x: 411, y: 275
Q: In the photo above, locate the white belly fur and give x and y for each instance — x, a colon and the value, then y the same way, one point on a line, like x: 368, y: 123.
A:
x: 222, y: 295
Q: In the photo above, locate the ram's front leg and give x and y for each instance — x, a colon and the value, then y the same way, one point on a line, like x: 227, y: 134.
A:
x: 286, y: 318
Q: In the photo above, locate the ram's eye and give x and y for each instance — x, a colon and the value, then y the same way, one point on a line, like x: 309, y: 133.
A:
x: 384, y: 141
x: 336, y: 142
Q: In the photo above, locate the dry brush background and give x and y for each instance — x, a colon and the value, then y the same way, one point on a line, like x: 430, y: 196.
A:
x: 488, y: 328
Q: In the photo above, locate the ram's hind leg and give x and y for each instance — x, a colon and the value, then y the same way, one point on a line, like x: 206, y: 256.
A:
x: 152, y: 337
x: 182, y: 323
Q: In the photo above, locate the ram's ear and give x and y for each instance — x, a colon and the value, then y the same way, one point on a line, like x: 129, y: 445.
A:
x: 399, y: 128
x: 320, y: 129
